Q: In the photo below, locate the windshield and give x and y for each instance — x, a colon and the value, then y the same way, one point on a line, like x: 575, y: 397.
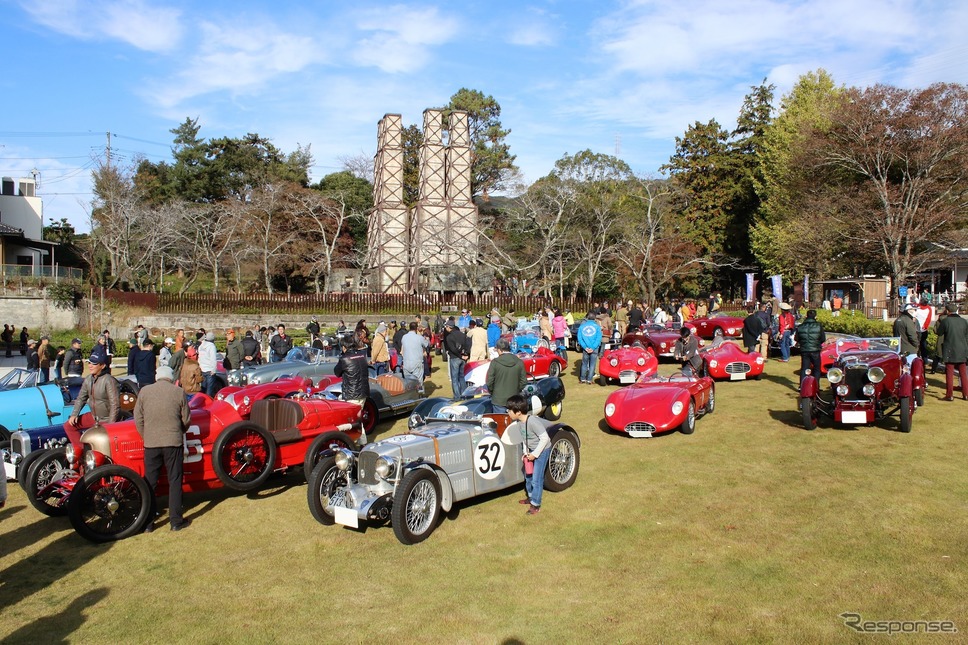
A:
x: 18, y: 378
x: 312, y: 354
x: 888, y: 344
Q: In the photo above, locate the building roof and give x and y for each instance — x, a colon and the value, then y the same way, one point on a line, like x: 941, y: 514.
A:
x: 6, y: 229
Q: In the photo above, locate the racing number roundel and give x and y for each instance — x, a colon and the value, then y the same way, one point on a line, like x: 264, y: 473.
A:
x: 489, y: 458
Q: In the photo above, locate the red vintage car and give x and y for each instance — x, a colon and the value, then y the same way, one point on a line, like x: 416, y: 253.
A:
x: 539, y: 364
x: 718, y: 325
x: 836, y: 346
x: 104, y: 492
x: 242, y: 398
x: 727, y: 361
x: 868, y: 382
x: 657, y: 404
x: 627, y: 363
x: 661, y: 338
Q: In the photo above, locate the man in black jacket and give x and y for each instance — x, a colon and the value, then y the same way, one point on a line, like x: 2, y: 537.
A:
x: 250, y: 350
x: 354, y: 368
x: 456, y: 346
x: 279, y: 345
x: 810, y: 337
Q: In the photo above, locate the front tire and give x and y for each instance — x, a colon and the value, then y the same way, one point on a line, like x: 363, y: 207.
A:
x: 919, y: 397
x: 243, y: 456
x: 907, y: 414
x: 370, y: 416
x: 49, y: 467
x: 416, y: 506
x: 554, y: 370
x: 552, y: 412
x: 563, y: 462
x: 24, y: 467
x: 321, y: 493
x: 110, y: 503
x: 711, y: 403
x: 809, y: 414
x: 689, y: 423
x: 320, y: 445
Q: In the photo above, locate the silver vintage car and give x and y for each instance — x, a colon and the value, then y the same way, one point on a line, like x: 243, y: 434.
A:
x: 410, y: 478
x: 305, y: 361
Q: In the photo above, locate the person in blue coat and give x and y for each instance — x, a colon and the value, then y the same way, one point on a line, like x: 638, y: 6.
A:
x: 589, y: 340
x: 493, y: 331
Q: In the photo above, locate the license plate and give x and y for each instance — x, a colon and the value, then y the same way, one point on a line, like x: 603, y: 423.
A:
x: 628, y: 378
x: 853, y: 416
x: 737, y: 376
x: 346, y: 516
x: 640, y: 434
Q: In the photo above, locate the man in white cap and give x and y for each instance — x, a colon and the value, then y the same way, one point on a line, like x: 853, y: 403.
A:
x: 907, y: 328
x: 379, y: 352
x: 162, y: 417
x: 786, y: 324
x: 164, y: 356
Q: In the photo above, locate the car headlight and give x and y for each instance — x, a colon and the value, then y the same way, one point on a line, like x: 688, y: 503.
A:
x: 677, y: 407
x: 255, y: 380
x: 69, y: 453
x: 713, y: 363
x: 344, y: 459
x: 641, y: 361
x: 384, y: 467
x: 90, y: 460
x: 842, y: 390
x: 759, y: 360
x: 415, y: 421
x: 613, y: 362
x: 609, y: 409
x: 663, y: 345
x: 869, y: 390
x: 875, y: 375
x: 730, y: 331
x: 835, y: 375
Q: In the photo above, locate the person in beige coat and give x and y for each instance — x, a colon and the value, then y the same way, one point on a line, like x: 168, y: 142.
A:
x: 477, y: 336
x: 162, y: 417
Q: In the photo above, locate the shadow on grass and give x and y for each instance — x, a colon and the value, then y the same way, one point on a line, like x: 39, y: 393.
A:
x: 57, y: 628
x: 780, y: 379
x: 791, y: 418
x: 29, y: 534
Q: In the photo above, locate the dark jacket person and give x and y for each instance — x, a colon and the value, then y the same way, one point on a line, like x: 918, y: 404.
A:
x: 100, y: 391
x: 506, y: 375
x: 162, y: 418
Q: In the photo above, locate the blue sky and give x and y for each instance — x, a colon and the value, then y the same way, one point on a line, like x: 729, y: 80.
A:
x: 569, y: 74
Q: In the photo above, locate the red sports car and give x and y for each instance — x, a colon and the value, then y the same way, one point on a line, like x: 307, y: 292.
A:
x: 728, y: 361
x: 718, y: 325
x: 627, y: 363
x: 543, y: 362
x: 661, y: 338
x: 657, y: 404
x: 103, y: 490
x: 242, y: 398
x: 836, y: 346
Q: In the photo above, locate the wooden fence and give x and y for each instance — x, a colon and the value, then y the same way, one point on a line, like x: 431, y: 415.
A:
x: 339, y: 304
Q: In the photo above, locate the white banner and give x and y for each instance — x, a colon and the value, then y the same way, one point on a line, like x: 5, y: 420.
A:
x: 777, y: 287
x: 749, y: 288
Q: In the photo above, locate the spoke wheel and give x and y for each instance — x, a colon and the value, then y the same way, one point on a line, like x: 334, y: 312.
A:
x: 321, y: 444
x: 563, y: 462
x: 553, y: 411
x: 369, y: 416
x: 907, y: 414
x: 24, y: 467
x: 718, y: 333
x: 243, y: 456
x: 110, y: 503
x: 689, y: 423
x: 325, y: 490
x: 809, y: 414
x: 49, y: 467
x: 416, y: 506
x: 554, y: 369
x: 711, y: 403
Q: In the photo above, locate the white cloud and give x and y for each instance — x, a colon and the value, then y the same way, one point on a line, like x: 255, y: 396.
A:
x: 531, y: 29
x: 400, y: 38
x: 133, y: 22
x: 237, y: 60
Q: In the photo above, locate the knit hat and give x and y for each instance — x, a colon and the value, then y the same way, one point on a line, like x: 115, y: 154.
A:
x: 164, y: 372
x: 210, y: 336
x: 381, y: 328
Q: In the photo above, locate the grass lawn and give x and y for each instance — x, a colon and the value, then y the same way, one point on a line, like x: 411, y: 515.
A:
x: 750, y: 530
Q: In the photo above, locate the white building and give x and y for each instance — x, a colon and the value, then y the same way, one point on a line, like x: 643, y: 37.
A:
x: 22, y: 248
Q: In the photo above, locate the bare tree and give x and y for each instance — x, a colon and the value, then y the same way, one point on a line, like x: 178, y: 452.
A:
x: 323, y: 220
x: 360, y: 165
x: 269, y: 220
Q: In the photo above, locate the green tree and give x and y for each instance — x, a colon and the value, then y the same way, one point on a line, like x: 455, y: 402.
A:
x: 355, y: 194
x: 492, y: 163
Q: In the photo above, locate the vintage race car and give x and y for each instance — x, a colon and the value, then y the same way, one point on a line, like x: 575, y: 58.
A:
x: 718, y: 325
x: 868, y: 382
x: 242, y: 398
x: 834, y: 347
x: 728, y: 361
x: 19, y: 377
x: 409, y: 479
x: 661, y: 338
x: 546, y: 397
x: 627, y: 363
x: 390, y: 396
x: 657, y: 404
x: 97, y: 479
x: 527, y: 339
x: 301, y: 361
x: 37, y: 406
x: 539, y: 364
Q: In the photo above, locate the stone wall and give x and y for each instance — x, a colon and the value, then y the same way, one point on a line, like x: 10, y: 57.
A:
x: 37, y: 314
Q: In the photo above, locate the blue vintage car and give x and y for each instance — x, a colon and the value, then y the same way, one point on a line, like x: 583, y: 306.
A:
x: 40, y: 405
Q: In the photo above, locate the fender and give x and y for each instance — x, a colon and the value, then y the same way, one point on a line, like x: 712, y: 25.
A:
x: 553, y: 430
x: 917, y: 373
x: 446, y: 490
x: 808, y: 388
x: 905, y: 385
x: 59, y: 491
